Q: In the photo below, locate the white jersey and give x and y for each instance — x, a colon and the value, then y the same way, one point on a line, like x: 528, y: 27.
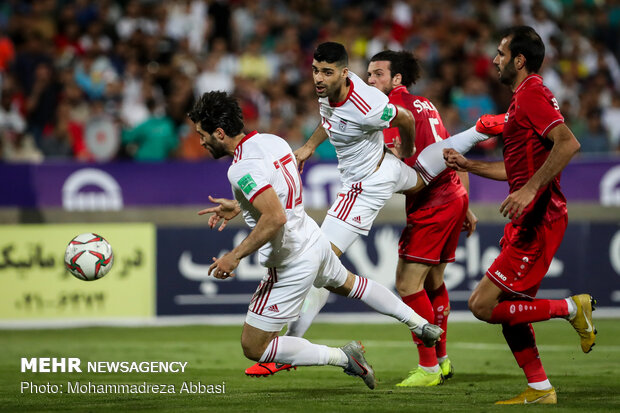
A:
x: 265, y: 161
x: 355, y: 126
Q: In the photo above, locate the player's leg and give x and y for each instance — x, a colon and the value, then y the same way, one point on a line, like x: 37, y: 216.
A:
x: 495, y: 305
x: 521, y: 340
x: 341, y: 236
x: 334, y: 276
x: 446, y: 225
x: 268, y: 347
x: 430, y: 162
x: 350, y: 217
x: 440, y: 301
x: 519, y: 269
x: 313, y: 303
x: 277, y: 301
x: 522, y: 343
x: 410, y: 278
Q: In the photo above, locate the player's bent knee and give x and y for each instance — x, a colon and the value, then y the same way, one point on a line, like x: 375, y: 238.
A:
x: 251, y: 350
x: 479, y: 309
x: 403, y: 289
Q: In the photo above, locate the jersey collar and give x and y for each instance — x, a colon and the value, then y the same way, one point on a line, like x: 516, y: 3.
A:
x: 530, y: 77
x: 397, y: 89
x: 335, y: 105
x: 246, y: 137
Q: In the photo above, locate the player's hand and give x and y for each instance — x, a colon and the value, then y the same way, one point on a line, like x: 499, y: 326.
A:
x: 469, y: 225
x: 226, y: 210
x: 455, y: 160
x: 301, y: 156
x: 224, y: 266
x: 397, y: 149
x: 516, y: 202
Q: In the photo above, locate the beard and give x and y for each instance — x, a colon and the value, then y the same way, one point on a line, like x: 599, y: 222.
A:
x: 217, y: 151
x: 508, y: 75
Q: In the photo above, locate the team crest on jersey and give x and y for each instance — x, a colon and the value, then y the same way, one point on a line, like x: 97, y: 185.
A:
x: 387, y: 113
x: 246, y: 183
x: 342, y: 125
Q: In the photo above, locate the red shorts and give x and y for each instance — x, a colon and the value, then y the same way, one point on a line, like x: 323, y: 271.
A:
x: 525, y: 257
x: 432, y: 234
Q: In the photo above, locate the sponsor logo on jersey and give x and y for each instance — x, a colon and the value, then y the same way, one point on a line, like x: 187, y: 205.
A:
x: 246, y: 183
x: 500, y: 275
x: 387, y: 113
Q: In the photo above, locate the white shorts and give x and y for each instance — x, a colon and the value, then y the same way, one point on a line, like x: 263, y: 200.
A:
x: 357, y: 204
x: 282, y: 291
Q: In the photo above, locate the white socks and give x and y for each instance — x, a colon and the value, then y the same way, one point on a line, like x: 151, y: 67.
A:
x: 315, y: 300
x: 300, y: 352
x: 541, y: 385
x: 434, y: 369
x: 383, y: 301
x: 572, y: 308
x: 373, y: 294
x: 430, y: 163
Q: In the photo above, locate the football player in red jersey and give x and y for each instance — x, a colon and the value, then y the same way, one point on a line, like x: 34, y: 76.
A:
x: 537, y: 147
x: 435, y: 216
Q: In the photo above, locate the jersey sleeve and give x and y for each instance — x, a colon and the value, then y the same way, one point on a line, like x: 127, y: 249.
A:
x: 541, y: 111
x: 249, y: 178
x: 381, y: 116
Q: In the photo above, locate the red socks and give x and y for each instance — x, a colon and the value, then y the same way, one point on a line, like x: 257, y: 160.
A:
x: 522, y: 343
x: 421, y: 304
x: 441, y: 307
x: 520, y: 312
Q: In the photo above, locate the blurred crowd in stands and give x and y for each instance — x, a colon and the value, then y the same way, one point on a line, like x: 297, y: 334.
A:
x: 114, y: 79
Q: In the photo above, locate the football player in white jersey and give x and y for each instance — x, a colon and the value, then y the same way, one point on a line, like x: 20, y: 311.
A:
x: 267, y: 189
x: 354, y: 116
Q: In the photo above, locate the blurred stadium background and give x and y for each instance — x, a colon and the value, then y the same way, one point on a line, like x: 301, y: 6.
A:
x: 94, y: 138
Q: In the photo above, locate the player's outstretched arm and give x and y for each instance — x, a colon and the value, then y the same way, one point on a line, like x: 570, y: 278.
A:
x: 226, y: 210
x: 405, y: 122
x: 272, y: 219
x: 565, y: 146
x: 302, y: 154
x: 491, y: 170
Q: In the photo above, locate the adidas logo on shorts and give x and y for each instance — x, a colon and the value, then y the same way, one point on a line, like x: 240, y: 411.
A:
x: 273, y: 308
x: 358, y: 219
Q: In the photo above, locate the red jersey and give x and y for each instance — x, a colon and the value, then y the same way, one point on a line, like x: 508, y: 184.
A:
x: 428, y: 130
x: 533, y: 112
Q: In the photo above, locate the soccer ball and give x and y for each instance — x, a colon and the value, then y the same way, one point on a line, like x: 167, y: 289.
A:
x: 89, y: 257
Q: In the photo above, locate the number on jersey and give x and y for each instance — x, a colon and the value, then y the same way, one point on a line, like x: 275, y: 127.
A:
x: 434, y: 123
x: 292, y: 178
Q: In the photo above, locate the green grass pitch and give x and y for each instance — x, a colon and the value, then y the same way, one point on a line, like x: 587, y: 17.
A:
x: 485, y: 370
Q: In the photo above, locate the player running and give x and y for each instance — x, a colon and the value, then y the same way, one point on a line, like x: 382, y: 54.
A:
x: 435, y: 217
x: 267, y: 189
x: 537, y: 147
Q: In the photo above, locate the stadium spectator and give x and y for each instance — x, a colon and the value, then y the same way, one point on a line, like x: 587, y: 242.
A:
x: 152, y: 140
x: 594, y: 140
x: 273, y: 42
x: 611, y: 122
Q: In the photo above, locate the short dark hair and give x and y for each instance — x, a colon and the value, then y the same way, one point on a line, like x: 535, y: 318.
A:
x: 402, y: 62
x: 215, y: 110
x: 332, y: 52
x: 524, y: 40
